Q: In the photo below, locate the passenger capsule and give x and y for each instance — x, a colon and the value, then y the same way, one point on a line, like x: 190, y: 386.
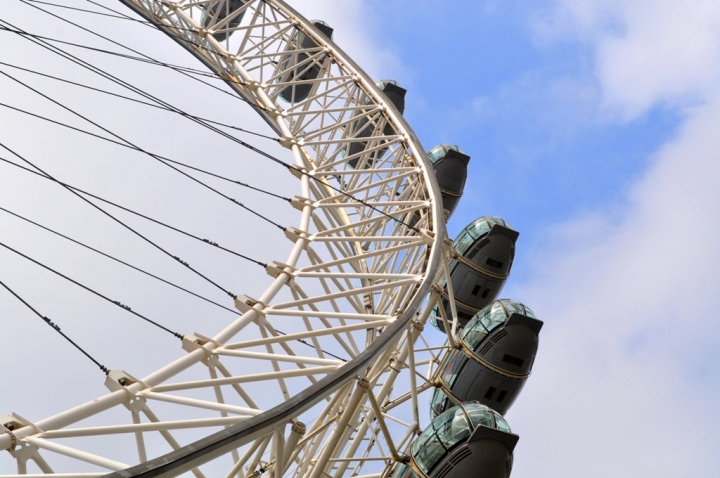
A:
x: 300, y: 66
x: 466, y: 441
x: 498, y: 348
x: 484, y: 252
x: 367, y: 122
x: 450, y: 164
x: 218, y: 14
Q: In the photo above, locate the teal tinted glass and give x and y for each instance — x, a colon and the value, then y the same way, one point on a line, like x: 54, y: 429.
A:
x: 427, y: 450
x: 479, y: 416
x: 447, y: 430
x: 381, y: 84
x: 463, y: 242
x: 438, y: 152
x: 437, y: 402
x: 451, y: 428
x: 479, y: 227
x: 486, y: 416
x: 501, y: 424
x: 514, y: 307
x: 453, y: 366
x: 487, y: 319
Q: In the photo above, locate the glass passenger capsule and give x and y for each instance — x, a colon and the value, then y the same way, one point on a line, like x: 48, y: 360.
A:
x: 450, y: 165
x: 364, y: 127
x: 498, y: 348
x: 484, y: 251
x: 298, y: 66
x: 467, y: 441
x: 220, y: 11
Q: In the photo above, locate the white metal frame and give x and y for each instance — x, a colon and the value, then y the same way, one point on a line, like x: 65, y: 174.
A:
x: 356, y: 282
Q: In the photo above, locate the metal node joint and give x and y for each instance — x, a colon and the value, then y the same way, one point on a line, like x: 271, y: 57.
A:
x: 300, y: 203
x: 287, y: 142
x: 245, y: 304
x: 119, y: 380
x: 295, y: 234
x: 275, y: 268
x: 196, y: 341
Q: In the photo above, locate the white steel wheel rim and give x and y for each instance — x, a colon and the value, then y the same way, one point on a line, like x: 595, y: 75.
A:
x: 399, y: 262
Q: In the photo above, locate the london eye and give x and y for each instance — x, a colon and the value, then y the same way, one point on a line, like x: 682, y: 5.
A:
x: 372, y: 345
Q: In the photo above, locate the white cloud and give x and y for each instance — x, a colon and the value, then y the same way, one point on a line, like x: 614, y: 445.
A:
x: 646, y: 52
x: 628, y: 369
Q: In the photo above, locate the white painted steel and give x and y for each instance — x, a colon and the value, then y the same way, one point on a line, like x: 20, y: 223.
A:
x: 369, y: 253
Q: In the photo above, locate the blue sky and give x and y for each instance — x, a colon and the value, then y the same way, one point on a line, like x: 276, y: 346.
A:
x: 592, y: 126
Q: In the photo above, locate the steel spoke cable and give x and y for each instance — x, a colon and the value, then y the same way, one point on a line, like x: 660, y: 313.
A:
x: 261, y: 152
x: 228, y: 309
x: 114, y: 53
x: 77, y: 9
x: 158, y: 247
x: 124, y: 145
x: 198, y: 238
x: 135, y: 100
x: 119, y: 15
x: 118, y: 81
x: 152, y: 59
x: 115, y: 302
x: 116, y: 259
x: 139, y: 149
x: 124, y: 84
x: 56, y: 328
x: 76, y: 60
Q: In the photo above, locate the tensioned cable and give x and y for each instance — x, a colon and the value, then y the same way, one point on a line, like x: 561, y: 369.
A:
x: 130, y: 228
x: 119, y: 16
x: 66, y: 185
x: 232, y: 311
x: 114, y: 53
x: 56, y: 327
x: 139, y: 149
x: 116, y: 259
x: 232, y: 138
x: 98, y: 71
x: 165, y: 158
x: 117, y: 303
x: 135, y: 100
x: 150, y: 58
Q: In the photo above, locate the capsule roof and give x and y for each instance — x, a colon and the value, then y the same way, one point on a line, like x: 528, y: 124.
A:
x: 452, y: 428
x: 491, y: 317
x: 475, y: 230
x: 439, y: 151
x: 328, y: 28
x: 381, y: 84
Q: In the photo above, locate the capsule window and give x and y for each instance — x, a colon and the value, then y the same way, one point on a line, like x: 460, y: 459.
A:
x: 513, y: 360
x: 501, y: 397
x: 485, y: 293
x: 490, y: 392
x: 493, y: 262
x: 476, y: 289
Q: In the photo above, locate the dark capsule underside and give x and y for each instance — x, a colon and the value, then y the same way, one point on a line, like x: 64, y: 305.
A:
x: 300, y: 66
x: 480, y: 274
x: 451, y: 172
x: 492, y: 367
x: 226, y: 9
x: 364, y: 128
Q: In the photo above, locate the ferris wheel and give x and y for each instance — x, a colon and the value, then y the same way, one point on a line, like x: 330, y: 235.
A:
x: 342, y: 390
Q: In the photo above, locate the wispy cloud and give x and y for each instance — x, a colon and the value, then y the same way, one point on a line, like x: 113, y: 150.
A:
x: 628, y: 372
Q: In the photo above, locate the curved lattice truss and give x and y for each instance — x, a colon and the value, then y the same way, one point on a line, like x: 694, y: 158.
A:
x: 354, y: 286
